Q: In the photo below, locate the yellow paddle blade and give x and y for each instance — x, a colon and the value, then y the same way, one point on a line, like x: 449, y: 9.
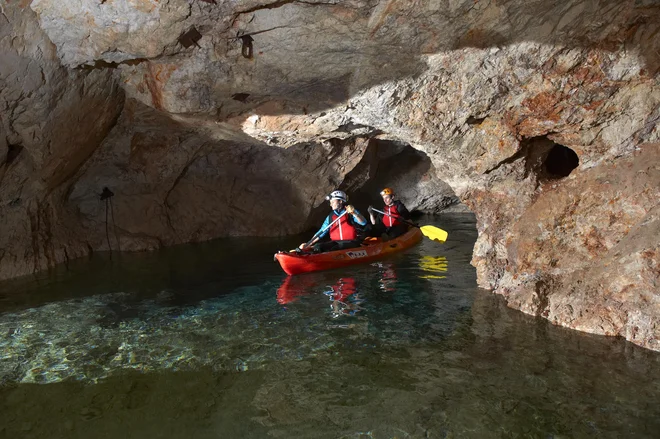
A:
x: 434, y: 233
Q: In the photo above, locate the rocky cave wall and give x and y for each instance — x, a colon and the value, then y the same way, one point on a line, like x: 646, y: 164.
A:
x: 52, y: 119
x: 205, y: 117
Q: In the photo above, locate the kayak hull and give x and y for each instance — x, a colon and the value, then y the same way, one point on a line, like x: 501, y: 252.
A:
x: 371, y: 250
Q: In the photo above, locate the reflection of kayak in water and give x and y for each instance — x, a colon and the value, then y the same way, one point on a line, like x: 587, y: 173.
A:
x: 342, y: 294
x: 370, y: 250
x: 293, y: 287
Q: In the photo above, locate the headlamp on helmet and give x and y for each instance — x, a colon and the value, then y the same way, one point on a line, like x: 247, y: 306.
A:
x: 339, y: 195
x: 386, y: 191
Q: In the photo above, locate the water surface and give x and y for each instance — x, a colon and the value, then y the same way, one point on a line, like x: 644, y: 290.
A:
x: 213, y: 340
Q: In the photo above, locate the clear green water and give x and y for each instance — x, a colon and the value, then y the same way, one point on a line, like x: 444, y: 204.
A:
x: 214, y: 341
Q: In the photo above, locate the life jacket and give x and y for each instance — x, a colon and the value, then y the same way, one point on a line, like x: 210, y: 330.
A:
x: 394, y: 211
x: 342, y: 230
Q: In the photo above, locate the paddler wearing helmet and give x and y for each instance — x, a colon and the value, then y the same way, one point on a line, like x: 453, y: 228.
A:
x: 391, y: 225
x: 342, y: 226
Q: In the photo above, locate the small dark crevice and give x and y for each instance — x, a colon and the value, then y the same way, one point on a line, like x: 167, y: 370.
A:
x: 247, y: 49
x: 337, y: 145
x: 102, y: 64
x: 13, y: 151
x: 350, y: 127
x: 280, y: 3
x: 241, y: 97
x: 274, y: 5
x: 475, y: 120
x: 521, y: 153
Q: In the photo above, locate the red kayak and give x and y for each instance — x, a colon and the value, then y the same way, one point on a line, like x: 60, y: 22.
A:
x: 371, y: 249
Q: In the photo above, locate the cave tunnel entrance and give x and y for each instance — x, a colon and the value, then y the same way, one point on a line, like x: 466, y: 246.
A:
x: 561, y: 161
x: 547, y: 159
x: 389, y: 163
x: 408, y: 171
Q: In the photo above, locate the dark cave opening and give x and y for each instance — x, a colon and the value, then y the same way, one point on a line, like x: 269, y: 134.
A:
x: 560, y: 161
x: 398, y: 165
x: 395, y: 164
x: 548, y: 160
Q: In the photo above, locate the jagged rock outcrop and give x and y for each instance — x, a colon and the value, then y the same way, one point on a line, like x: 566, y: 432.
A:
x: 542, y: 117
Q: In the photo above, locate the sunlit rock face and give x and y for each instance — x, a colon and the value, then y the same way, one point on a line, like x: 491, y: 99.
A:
x: 238, y: 117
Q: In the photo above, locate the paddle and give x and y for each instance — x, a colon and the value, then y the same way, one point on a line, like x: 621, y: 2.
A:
x: 320, y: 232
x: 431, y: 232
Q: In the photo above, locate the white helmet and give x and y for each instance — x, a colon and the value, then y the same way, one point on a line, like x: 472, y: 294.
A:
x: 339, y: 195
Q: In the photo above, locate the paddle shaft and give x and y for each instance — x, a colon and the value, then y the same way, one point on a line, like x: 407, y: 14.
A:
x: 397, y: 217
x: 431, y: 232
x: 308, y: 243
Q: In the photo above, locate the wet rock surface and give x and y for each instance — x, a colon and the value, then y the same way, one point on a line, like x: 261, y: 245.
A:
x: 205, y: 118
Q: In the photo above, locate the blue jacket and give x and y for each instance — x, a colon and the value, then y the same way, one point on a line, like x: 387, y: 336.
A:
x: 328, y: 220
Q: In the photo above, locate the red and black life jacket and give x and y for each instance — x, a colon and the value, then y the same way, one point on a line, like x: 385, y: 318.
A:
x: 342, y: 230
x: 394, y: 211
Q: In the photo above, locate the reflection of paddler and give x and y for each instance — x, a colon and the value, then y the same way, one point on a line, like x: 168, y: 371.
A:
x: 388, y: 277
x: 339, y: 293
x: 343, y: 288
x: 293, y: 287
x: 434, y: 265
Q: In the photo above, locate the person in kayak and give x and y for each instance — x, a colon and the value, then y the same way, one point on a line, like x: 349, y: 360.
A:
x: 390, y: 225
x: 343, y: 225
